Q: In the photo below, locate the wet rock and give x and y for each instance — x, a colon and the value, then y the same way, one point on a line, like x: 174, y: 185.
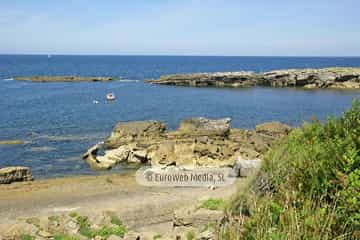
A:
x: 97, y: 162
x: 15, y: 174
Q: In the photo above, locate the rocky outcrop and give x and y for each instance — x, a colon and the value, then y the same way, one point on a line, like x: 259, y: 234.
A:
x: 11, y: 142
x: 197, y: 142
x: 15, y: 174
x: 126, y: 132
x: 274, y: 129
x: 64, y: 79
x: 345, y: 78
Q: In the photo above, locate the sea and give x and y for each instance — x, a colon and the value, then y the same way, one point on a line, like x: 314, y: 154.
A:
x: 59, y: 121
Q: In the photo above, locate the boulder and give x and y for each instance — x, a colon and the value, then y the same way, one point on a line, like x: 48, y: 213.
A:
x: 275, y: 129
x: 245, y: 168
x: 196, y: 217
x: 15, y: 174
x: 97, y: 162
x: 206, y: 127
x: 125, y: 132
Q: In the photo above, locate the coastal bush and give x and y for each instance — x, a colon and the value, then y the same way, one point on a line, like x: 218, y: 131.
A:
x: 308, y: 187
x: 213, y: 204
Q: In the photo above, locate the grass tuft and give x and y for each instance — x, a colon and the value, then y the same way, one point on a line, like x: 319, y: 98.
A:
x: 26, y: 237
x: 213, y: 204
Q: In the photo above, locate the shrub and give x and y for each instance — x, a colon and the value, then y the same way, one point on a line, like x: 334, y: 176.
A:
x: 313, y: 180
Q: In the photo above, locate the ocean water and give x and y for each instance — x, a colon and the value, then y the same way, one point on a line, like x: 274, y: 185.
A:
x: 59, y: 121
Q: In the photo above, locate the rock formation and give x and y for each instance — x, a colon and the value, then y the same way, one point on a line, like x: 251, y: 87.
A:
x: 343, y: 78
x: 64, y: 79
x: 15, y: 174
x: 197, y: 142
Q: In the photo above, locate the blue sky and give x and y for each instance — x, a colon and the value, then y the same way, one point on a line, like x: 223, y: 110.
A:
x: 183, y: 27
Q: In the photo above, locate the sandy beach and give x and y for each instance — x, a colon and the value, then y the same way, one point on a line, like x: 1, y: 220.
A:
x: 137, y: 206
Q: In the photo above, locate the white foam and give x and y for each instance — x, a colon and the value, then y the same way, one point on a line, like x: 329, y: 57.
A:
x: 128, y: 80
x: 8, y: 79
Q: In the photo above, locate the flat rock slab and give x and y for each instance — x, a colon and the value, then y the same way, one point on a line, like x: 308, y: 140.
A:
x: 15, y: 174
x: 64, y: 79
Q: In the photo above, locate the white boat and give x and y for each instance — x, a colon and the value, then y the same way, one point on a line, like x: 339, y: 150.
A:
x: 110, y: 97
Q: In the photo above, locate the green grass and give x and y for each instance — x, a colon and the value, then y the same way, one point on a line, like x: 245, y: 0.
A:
x: 104, y: 231
x: 53, y: 218
x: 308, y: 187
x: 213, y: 204
x: 73, y: 214
x: 26, y: 237
x: 64, y: 237
x: 190, y: 235
x: 116, y: 220
x: 107, y: 231
x: 157, y: 236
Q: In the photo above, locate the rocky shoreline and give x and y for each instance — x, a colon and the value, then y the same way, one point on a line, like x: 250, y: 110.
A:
x: 197, y: 142
x: 336, y: 78
x: 64, y: 79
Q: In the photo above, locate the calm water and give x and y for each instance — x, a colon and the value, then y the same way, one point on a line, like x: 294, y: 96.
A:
x: 59, y: 121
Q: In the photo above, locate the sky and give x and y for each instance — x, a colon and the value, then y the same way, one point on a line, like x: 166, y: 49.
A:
x: 181, y: 27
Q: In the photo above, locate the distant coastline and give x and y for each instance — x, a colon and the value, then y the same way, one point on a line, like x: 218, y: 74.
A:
x: 335, y: 77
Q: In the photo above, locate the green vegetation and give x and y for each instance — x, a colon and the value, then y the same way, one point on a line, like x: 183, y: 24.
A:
x: 190, y: 235
x: 116, y: 220
x: 209, y: 226
x: 73, y: 214
x: 26, y: 237
x: 309, y: 186
x: 213, y: 204
x: 54, y: 218
x: 157, y: 236
x: 64, y: 237
x: 105, y: 231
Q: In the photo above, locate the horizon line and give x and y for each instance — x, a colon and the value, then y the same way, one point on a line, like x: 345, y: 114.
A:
x: 176, y: 55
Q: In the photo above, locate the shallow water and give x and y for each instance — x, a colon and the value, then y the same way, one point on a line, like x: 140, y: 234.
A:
x: 59, y: 121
